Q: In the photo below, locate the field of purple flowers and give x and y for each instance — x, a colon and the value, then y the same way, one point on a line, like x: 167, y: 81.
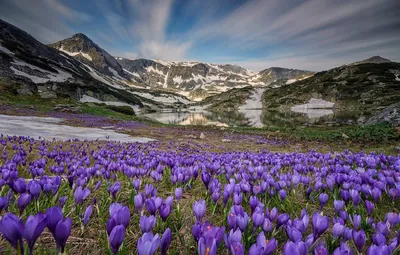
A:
x: 81, y: 197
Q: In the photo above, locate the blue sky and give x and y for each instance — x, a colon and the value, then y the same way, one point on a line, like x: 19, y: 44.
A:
x: 256, y: 34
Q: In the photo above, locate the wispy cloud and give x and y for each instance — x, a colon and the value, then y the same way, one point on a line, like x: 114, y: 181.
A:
x: 44, y: 19
x: 306, y: 34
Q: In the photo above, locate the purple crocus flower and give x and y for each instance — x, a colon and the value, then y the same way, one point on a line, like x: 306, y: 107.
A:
x: 343, y: 249
x: 282, y: 219
x: 97, y: 185
x: 62, y: 232
x: 338, y: 205
x: 151, y: 206
x: 87, y: 214
x: 178, y: 193
x: 392, y: 218
x: 379, y: 250
x: 12, y: 229
x: 169, y: 201
x: 263, y: 246
x: 115, y: 188
x: 23, y: 202
x: 53, y: 215
x: 378, y: 239
x: 199, y: 209
x: 147, y: 223
x: 359, y: 238
x: 267, y: 225
x: 282, y: 194
x: 294, y: 234
x: 136, y: 184
x: 320, y: 224
x: 3, y: 203
x: 356, y: 220
x: 120, y: 213
x: 369, y: 206
x: 62, y: 200
x: 148, y: 244
x: 116, y: 238
x: 298, y: 248
x: 338, y: 230
x: 81, y: 194
x: 320, y: 249
x: 138, y: 201
x: 257, y: 218
x: 34, y: 227
x: 207, y: 246
x: 166, y: 240
x: 34, y: 188
x: 165, y: 211
x: 323, y: 199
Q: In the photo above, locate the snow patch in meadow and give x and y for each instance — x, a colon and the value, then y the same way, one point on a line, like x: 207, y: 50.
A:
x: 89, y: 99
x: 49, y: 129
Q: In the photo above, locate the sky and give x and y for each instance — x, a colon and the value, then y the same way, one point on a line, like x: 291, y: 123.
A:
x: 255, y: 34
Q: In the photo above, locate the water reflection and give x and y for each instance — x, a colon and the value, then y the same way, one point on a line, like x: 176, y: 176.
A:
x: 260, y: 118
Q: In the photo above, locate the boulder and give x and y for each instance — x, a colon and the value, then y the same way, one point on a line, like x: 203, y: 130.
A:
x: 390, y: 114
x: 67, y: 108
x: 48, y: 94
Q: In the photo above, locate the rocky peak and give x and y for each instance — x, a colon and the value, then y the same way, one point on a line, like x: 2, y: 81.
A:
x: 373, y: 59
x: 85, y: 50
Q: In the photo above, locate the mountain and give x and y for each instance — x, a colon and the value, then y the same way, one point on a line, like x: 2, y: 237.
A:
x: 85, y: 50
x: 198, y: 80
x: 273, y: 74
x: 30, y: 67
x: 373, y: 60
x: 366, y: 86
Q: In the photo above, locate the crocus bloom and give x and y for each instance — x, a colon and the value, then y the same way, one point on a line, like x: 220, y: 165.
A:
x: 87, y: 214
x: 147, y: 223
x: 338, y: 204
x: 62, y: 200
x: 166, y: 240
x: 53, y: 215
x: 323, y: 199
x: 151, y: 206
x: 116, y: 238
x: 138, y: 201
x: 282, y: 194
x: 370, y: 206
x: 359, y: 238
x: 81, y: 194
x: 120, y: 213
x: 148, y: 244
x: 343, y: 249
x: 207, y: 246
x: 115, y: 188
x: 258, y: 219
x: 12, y: 229
x: 199, y: 209
x: 298, y: 248
x: 320, y: 224
x: 165, y: 211
x: 282, y: 219
x: 356, y: 220
x: 3, y: 203
x: 62, y: 232
x: 392, y: 218
x: 178, y: 193
x: 34, y: 227
x: 23, y: 201
x: 379, y: 250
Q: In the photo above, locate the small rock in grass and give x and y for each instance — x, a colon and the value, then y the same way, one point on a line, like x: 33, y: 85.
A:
x: 345, y: 136
x: 202, y: 136
x: 226, y: 140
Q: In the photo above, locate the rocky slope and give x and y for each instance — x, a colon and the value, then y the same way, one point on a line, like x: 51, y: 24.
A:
x: 373, y: 60
x: 86, y: 51
x: 368, y: 86
x: 29, y: 67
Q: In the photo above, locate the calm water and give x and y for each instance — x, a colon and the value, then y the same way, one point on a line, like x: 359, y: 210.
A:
x: 260, y: 118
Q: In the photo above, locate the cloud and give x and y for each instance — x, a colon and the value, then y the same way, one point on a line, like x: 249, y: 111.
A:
x: 46, y: 20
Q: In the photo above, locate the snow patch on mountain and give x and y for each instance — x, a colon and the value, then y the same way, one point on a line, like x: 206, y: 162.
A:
x: 314, y: 103
x: 290, y: 81
x: 163, y: 98
x: 89, y: 99
x: 85, y: 55
x: 61, y: 76
x: 5, y: 50
x: 254, y: 101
